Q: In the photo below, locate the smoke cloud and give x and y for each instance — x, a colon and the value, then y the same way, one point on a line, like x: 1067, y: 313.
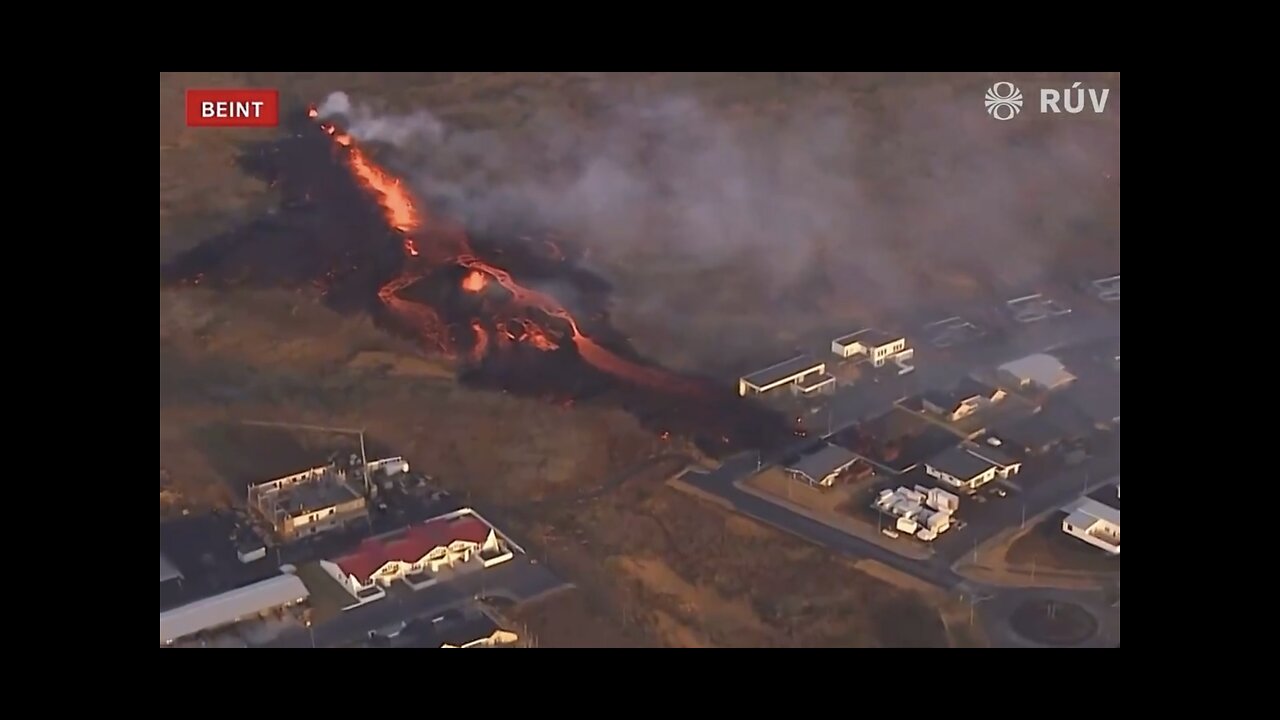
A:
x: 875, y: 197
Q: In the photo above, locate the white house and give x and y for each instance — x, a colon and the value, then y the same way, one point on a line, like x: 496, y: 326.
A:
x: 1006, y: 466
x: 450, y: 542
x: 1039, y: 370
x: 821, y: 468
x: 960, y: 468
x: 877, y: 345
x: 806, y: 374
x: 1095, y: 519
x: 966, y: 398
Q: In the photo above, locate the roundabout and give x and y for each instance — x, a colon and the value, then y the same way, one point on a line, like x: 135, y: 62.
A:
x: 1053, y: 622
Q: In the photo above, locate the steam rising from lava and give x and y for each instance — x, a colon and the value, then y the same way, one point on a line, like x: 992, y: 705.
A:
x: 430, y: 243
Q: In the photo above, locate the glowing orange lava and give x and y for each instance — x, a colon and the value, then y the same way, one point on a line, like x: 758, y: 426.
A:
x: 446, y: 243
x: 475, y: 281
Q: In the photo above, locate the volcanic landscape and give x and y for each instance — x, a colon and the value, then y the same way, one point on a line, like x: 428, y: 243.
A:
x: 356, y: 232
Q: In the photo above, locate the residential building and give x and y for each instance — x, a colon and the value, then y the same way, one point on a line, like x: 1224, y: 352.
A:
x: 1029, y: 437
x: 803, y: 373
x: 966, y: 398
x: 959, y: 467
x: 1098, y: 400
x: 478, y: 632
x: 1095, y: 519
x: 231, y: 607
x: 1040, y: 371
x: 1006, y: 466
x: 877, y: 346
x: 319, y: 499
x: 822, y: 467
x: 457, y: 541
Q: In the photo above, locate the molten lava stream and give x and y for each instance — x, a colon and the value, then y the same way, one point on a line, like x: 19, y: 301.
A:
x: 445, y: 243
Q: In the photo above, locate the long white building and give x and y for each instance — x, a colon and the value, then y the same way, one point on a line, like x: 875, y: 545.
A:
x: 1095, y: 519
x: 231, y: 607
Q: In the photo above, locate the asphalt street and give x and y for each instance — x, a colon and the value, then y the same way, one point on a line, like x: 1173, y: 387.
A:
x: 516, y: 580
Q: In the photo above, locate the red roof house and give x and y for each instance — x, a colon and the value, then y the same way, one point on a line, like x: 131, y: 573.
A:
x: 413, y: 545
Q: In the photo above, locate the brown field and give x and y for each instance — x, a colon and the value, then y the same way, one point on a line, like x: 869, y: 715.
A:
x: 1047, y: 547
x: 652, y: 565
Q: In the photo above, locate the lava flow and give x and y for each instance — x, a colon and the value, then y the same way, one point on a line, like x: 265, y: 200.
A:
x: 348, y: 227
x: 448, y: 245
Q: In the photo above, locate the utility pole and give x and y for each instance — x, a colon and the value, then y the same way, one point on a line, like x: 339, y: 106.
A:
x: 974, y: 601
x: 364, y: 466
x: 1024, y: 515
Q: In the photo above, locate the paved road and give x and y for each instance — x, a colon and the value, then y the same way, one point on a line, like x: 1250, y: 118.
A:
x: 516, y: 580
x: 720, y: 483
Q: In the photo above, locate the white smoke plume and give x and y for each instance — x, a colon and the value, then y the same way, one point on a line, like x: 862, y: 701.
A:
x: 365, y: 124
x: 828, y: 200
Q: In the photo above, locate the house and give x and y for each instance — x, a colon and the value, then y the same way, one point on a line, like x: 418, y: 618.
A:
x: 455, y: 541
x: 231, y: 607
x: 1041, y: 371
x: 477, y: 632
x: 1006, y: 466
x: 1029, y: 437
x: 312, y: 501
x: 821, y: 468
x: 1098, y: 400
x: 876, y: 345
x: 960, y: 468
x: 803, y: 373
x: 1095, y: 519
x: 966, y: 398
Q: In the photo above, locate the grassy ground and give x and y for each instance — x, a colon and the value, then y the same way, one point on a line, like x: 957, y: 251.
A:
x: 653, y: 566
x: 1046, y: 546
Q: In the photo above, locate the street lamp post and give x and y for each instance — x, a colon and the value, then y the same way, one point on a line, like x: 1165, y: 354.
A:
x: 312, y: 632
x: 974, y: 601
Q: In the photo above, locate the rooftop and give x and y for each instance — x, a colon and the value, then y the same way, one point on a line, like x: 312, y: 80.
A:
x: 991, y: 454
x: 968, y: 387
x: 783, y: 370
x: 1088, y: 507
x: 1098, y: 399
x: 1108, y: 495
x: 1040, y: 369
x: 965, y: 389
x: 304, y: 497
x: 229, y: 606
x: 869, y: 336
x: 1032, y: 432
x: 826, y: 460
x: 413, y: 545
x: 959, y: 463
x: 457, y: 633
x: 815, y: 380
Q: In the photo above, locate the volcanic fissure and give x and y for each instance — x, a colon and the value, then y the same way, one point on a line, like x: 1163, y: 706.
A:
x: 356, y: 231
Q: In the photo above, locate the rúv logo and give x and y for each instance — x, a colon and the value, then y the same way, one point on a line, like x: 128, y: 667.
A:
x: 1004, y: 101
